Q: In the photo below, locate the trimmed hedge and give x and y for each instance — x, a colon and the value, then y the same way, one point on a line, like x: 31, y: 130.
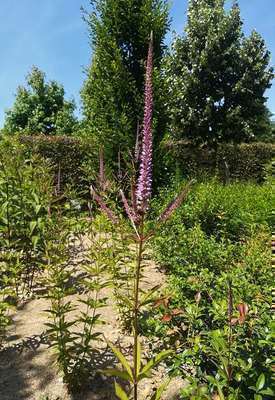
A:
x: 235, y: 162
x: 72, y: 159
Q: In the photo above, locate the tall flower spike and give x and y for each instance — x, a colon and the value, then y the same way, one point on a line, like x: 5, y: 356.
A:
x: 112, y: 217
x: 144, y: 186
x: 133, y: 196
x: 137, y: 146
x: 129, y: 211
x: 175, y: 203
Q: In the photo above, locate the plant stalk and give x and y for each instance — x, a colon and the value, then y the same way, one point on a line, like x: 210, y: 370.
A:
x: 136, y: 309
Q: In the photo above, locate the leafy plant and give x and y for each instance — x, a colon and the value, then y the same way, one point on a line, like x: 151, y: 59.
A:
x: 25, y: 196
x: 4, y: 315
x: 73, y: 327
x: 217, y: 251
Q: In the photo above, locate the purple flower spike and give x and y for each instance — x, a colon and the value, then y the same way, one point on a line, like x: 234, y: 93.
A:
x: 144, y: 186
x: 137, y: 146
x: 175, y: 203
x: 134, y: 197
x: 112, y: 217
x: 129, y: 211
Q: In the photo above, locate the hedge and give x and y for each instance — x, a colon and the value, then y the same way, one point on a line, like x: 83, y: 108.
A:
x: 230, y: 162
x: 73, y: 160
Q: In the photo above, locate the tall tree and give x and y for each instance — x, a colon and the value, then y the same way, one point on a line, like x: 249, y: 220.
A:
x: 216, y: 78
x: 113, y: 92
x: 40, y: 108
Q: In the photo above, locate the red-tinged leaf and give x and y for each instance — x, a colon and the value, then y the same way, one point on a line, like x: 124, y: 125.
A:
x: 243, y: 310
x: 166, y: 318
x: 158, y: 303
x: 163, y: 301
x: 234, y: 321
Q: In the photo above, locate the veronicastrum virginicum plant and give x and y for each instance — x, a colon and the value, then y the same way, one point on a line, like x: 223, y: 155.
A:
x: 73, y: 328
x: 137, y: 213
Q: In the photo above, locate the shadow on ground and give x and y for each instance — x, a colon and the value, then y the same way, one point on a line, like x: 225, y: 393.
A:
x: 28, y: 372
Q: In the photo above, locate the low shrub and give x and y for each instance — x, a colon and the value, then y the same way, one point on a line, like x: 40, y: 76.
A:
x: 231, y: 211
x: 216, y: 249
x: 25, y: 196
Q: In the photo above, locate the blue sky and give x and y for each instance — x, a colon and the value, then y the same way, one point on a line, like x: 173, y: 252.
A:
x: 52, y: 35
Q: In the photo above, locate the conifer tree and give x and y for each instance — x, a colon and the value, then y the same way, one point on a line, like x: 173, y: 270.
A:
x: 216, y: 77
x: 113, y: 91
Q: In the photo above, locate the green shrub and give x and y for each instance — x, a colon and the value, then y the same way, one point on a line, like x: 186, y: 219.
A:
x: 216, y: 249
x: 219, y: 229
x: 232, y: 211
x: 25, y: 197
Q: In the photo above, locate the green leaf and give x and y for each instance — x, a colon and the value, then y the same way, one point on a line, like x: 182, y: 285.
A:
x: 116, y: 372
x: 268, y: 392
x: 138, y: 356
x: 120, y: 392
x: 35, y: 240
x: 125, y: 300
x: 37, y: 208
x: 220, y: 392
x: 157, y: 395
x: 121, y: 358
x: 153, y: 363
x: 260, y: 382
x: 147, y: 298
x: 33, y: 225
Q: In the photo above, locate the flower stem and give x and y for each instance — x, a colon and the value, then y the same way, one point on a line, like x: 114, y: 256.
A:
x: 136, y: 307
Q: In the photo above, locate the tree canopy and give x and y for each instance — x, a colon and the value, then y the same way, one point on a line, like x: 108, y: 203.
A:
x: 216, y: 77
x: 114, y: 89
x: 40, y: 108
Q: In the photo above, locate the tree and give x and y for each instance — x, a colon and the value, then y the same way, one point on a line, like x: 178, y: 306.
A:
x: 40, y: 108
x: 216, y: 78
x: 113, y: 93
